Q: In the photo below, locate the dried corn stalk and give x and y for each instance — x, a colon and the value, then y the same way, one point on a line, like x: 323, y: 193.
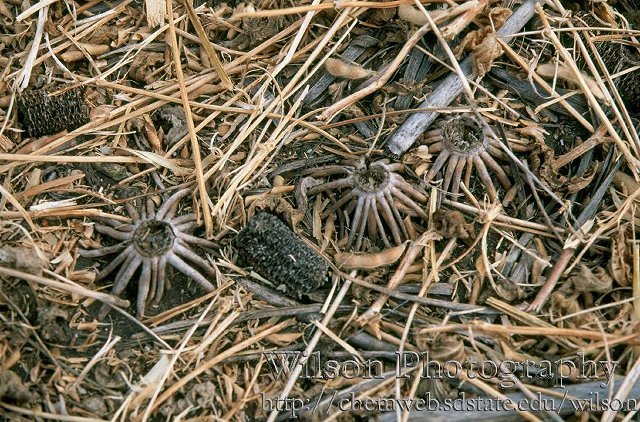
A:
x: 156, y: 12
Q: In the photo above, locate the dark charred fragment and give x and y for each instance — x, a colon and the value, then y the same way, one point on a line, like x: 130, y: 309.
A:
x: 617, y: 57
x: 52, y: 109
x: 278, y: 254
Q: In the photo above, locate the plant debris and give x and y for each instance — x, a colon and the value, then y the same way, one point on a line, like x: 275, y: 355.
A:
x: 12, y: 390
x: 23, y: 259
x: 52, y: 109
x: 275, y: 252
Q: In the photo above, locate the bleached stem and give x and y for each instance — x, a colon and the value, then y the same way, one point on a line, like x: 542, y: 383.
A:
x: 25, y: 74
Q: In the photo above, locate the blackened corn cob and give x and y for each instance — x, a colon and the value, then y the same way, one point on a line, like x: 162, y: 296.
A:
x: 278, y: 254
x: 629, y: 89
x: 618, y: 57
x: 47, y: 111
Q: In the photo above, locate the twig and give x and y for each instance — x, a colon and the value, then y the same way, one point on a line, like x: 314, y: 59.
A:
x: 65, y: 287
x: 310, y: 348
x: 25, y: 75
x: 571, y: 245
x: 195, y: 145
x: 450, y: 88
x: 410, y: 255
x: 206, y: 44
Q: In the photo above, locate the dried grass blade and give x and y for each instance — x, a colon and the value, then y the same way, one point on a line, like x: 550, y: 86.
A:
x: 25, y: 74
x: 524, y: 317
x: 43, y: 187
x: 159, y: 160
x: 312, y: 344
x: 18, y: 207
x: 636, y: 280
x: 65, y: 287
x: 630, y: 380
x: 219, y: 358
x: 346, y: 346
x: 206, y: 44
x: 68, y: 158
x: 195, y: 146
x: 33, y: 9
x: 633, y: 162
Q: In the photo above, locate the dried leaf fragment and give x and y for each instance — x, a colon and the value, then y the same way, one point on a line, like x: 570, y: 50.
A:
x: 485, y: 54
x: 451, y: 224
x: 351, y: 261
x: 586, y: 280
x: 564, y: 72
x: 12, y: 390
x: 621, y: 258
x: 21, y: 259
x: 485, y: 46
x: 345, y: 70
x: 496, y: 18
x: 562, y: 183
x: 143, y: 65
x: 568, y: 305
x: 174, y: 122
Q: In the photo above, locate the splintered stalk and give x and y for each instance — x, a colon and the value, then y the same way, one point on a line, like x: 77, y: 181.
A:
x: 636, y: 280
x: 411, y: 130
x: 206, y: 44
x: 410, y: 256
x: 552, y: 280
